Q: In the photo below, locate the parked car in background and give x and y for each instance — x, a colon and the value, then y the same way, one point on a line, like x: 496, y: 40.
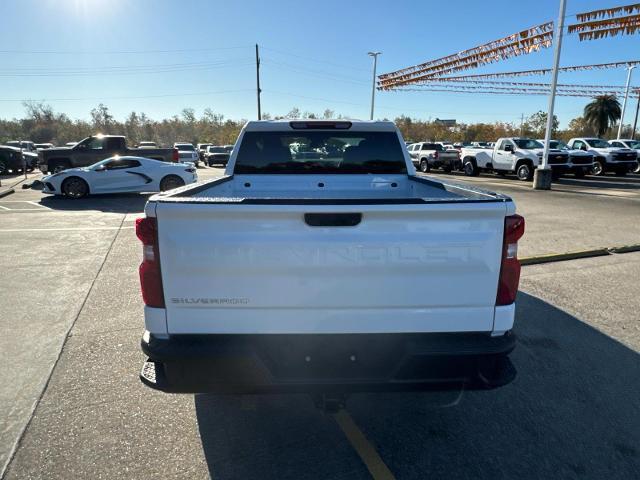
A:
x: 628, y: 143
x: 216, y: 155
x: 120, y: 175
x: 44, y: 146
x: 147, y: 144
x: 95, y: 148
x: 29, y: 153
x: 11, y: 160
x: 512, y: 155
x: 346, y: 274
x: 428, y: 155
x: 580, y: 162
x: 202, y: 150
x: 187, y: 153
x: 24, y: 145
x: 480, y: 144
x: 607, y: 158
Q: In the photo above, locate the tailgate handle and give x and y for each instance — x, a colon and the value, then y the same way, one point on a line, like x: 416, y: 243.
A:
x: 332, y: 219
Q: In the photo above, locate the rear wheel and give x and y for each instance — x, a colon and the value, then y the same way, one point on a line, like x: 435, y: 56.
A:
x: 75, y: 187
x: 170, y: 182
x: 470, y: 169
x: 598, y: 167
x: 424, y: 165
x: 524, y: 172
x: 637, y: 169
x: 4, y: 168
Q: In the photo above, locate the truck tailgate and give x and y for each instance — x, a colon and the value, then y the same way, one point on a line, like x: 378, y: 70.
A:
x: 244, y: 268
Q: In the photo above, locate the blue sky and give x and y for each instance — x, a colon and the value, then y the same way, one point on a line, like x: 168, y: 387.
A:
x: 199, y: 54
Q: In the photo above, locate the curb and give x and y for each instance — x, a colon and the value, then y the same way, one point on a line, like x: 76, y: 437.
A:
x: 8, y: 191
x: 626, y: 248
x: 561, y: 257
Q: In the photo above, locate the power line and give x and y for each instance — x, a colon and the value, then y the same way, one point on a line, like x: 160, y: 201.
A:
x: 124, y: 70
x: 312, y: 59
x: 119, y: 52
x: 124, y: 97
x: 316, y: 73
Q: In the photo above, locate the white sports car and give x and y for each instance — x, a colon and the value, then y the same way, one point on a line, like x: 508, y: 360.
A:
x: 120, y: 174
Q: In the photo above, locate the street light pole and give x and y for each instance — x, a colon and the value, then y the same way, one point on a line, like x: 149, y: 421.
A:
x: 624, y: 103
x: 635, y: 122
x: 542, y: 175
x: 373, y: 86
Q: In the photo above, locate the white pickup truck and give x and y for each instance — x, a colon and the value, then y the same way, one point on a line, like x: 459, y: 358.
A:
x: 511, y: 155
x: 607, y: 158
x: 344, y: 272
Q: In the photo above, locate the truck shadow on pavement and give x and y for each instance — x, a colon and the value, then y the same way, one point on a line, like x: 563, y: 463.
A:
x: 573, y: 411
x: 631, y: 182
x: 113, y: 203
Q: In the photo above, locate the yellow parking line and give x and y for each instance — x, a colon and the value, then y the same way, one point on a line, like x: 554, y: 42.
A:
x: 360, y: 443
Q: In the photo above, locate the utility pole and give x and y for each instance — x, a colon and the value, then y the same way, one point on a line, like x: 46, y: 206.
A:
x: 624, y: 103
x: 373, y: 86
x: 542, y: 174
x: 521, y: 124
x: 635, y: 122
x: 258, y: 81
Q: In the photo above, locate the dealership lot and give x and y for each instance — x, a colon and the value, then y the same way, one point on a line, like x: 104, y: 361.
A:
x: 73, y: 319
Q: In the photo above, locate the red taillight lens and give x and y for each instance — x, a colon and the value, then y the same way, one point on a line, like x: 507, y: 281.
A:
x: 176, y: 155
x: 510, y: 266
x: 150, y: 276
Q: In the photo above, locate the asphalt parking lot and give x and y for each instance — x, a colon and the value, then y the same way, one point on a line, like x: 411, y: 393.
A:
x: 71, y: 404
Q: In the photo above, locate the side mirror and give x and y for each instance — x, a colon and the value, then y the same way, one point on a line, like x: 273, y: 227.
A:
x: 508, y: 148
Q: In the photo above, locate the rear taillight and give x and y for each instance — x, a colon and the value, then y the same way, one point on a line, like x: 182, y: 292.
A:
x: 176, y: 156
x: 150, y: 277
x: 510, y: 266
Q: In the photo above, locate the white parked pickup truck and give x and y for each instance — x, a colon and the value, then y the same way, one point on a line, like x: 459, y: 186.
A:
x: 607, y: 158
x: 337, y: 273
x: 511, y: 155
x: 580, y: 162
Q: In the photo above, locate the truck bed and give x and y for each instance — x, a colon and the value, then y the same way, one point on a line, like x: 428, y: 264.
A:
x: 378, y: 189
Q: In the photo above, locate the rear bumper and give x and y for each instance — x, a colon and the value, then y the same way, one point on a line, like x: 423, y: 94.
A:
x: 326, y: 363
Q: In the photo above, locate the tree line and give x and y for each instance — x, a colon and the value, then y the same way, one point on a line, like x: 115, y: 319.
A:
x: 41, y: 124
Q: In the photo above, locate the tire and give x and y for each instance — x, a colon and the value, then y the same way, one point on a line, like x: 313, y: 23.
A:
x: 598, y: 168
x: 75, y: 187
x: 170, y: 182
x: 470, y: 169
x: 4, y: 167
x: 424, y: 166
x: 58, y: 166
x: 579, y: 173
x: 637, y: 169
x: 524, y: 172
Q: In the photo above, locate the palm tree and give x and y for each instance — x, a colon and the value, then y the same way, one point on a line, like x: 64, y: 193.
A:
x: 603, y: 112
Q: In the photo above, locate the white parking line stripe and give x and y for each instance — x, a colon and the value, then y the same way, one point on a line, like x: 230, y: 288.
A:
x: 72, y: 229
x: 37, y: 204
x: 5, y: 208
